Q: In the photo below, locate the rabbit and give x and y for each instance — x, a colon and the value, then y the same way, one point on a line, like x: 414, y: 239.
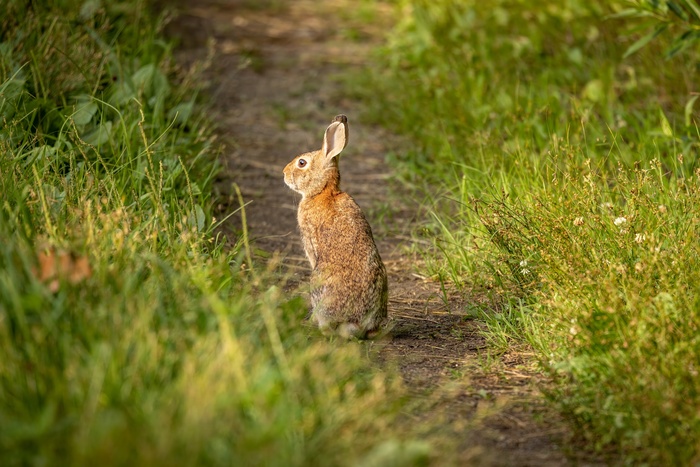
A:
x: 348, y: 278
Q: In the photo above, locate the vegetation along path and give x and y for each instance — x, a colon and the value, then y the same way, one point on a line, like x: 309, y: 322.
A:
x: 276, y: 80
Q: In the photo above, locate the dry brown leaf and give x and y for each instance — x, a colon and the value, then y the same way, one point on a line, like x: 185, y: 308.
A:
x: 53, y: 266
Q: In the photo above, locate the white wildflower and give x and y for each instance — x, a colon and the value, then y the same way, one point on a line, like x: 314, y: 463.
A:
x: 523, y: 263
x: 620, y: 220
x: 525, y: 271
x: 640, y: 237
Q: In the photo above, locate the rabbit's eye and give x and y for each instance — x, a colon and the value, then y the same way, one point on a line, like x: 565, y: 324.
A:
x: 301, y: 163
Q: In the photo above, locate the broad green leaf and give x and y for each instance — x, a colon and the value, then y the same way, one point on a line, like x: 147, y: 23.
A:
x: 181, y: 112
x: 199, y: 214
x: 99, y: 135
x: 665, y: 126
x: 121, y: 94
x: 594, y: 91
x: 575, y: 55
x: 89, y: 9
x: 143, y: 75
x: 41, y: 152
x: 12, y: 88
x: 196, y: 191
x: 84, y: 114
x: 151, y: 81
x: 10, y: 93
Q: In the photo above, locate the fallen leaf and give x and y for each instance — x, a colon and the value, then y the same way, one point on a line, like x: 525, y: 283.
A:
x: 54, y: 266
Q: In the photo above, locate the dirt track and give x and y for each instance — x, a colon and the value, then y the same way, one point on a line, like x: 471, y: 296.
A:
x: 274, y: 82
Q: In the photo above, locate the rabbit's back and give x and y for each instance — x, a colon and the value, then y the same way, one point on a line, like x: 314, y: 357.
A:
x: 349, y: 281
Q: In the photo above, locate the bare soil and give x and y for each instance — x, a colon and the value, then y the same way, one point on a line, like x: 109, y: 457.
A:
x: 276, y: 82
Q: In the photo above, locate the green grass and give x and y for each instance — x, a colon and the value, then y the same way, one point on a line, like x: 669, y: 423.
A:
x: 128, y: 334
x: 562, y: 181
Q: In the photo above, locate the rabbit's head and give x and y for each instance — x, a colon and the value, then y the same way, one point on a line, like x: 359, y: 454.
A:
x: 311, y: 172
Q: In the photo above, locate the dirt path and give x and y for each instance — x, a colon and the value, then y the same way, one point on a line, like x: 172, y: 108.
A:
x: 275, y: 85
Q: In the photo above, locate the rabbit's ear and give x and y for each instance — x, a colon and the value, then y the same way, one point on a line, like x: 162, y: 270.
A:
x: 335, y: 138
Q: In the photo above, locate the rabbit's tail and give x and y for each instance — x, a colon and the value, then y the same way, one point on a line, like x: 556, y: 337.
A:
x: 350, y: 331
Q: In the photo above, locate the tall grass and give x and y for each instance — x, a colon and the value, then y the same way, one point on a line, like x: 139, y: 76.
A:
x: 563, y: 182
x: 128, y: 335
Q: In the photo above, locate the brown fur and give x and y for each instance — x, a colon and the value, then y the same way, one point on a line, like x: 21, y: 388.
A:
x: 348, y: 278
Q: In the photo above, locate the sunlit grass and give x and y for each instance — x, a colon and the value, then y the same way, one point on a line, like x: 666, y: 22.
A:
x: 562, y: 181
x: 129, y: 335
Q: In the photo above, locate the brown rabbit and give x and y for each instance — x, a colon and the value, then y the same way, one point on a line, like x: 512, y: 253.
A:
x: 348, y: 279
